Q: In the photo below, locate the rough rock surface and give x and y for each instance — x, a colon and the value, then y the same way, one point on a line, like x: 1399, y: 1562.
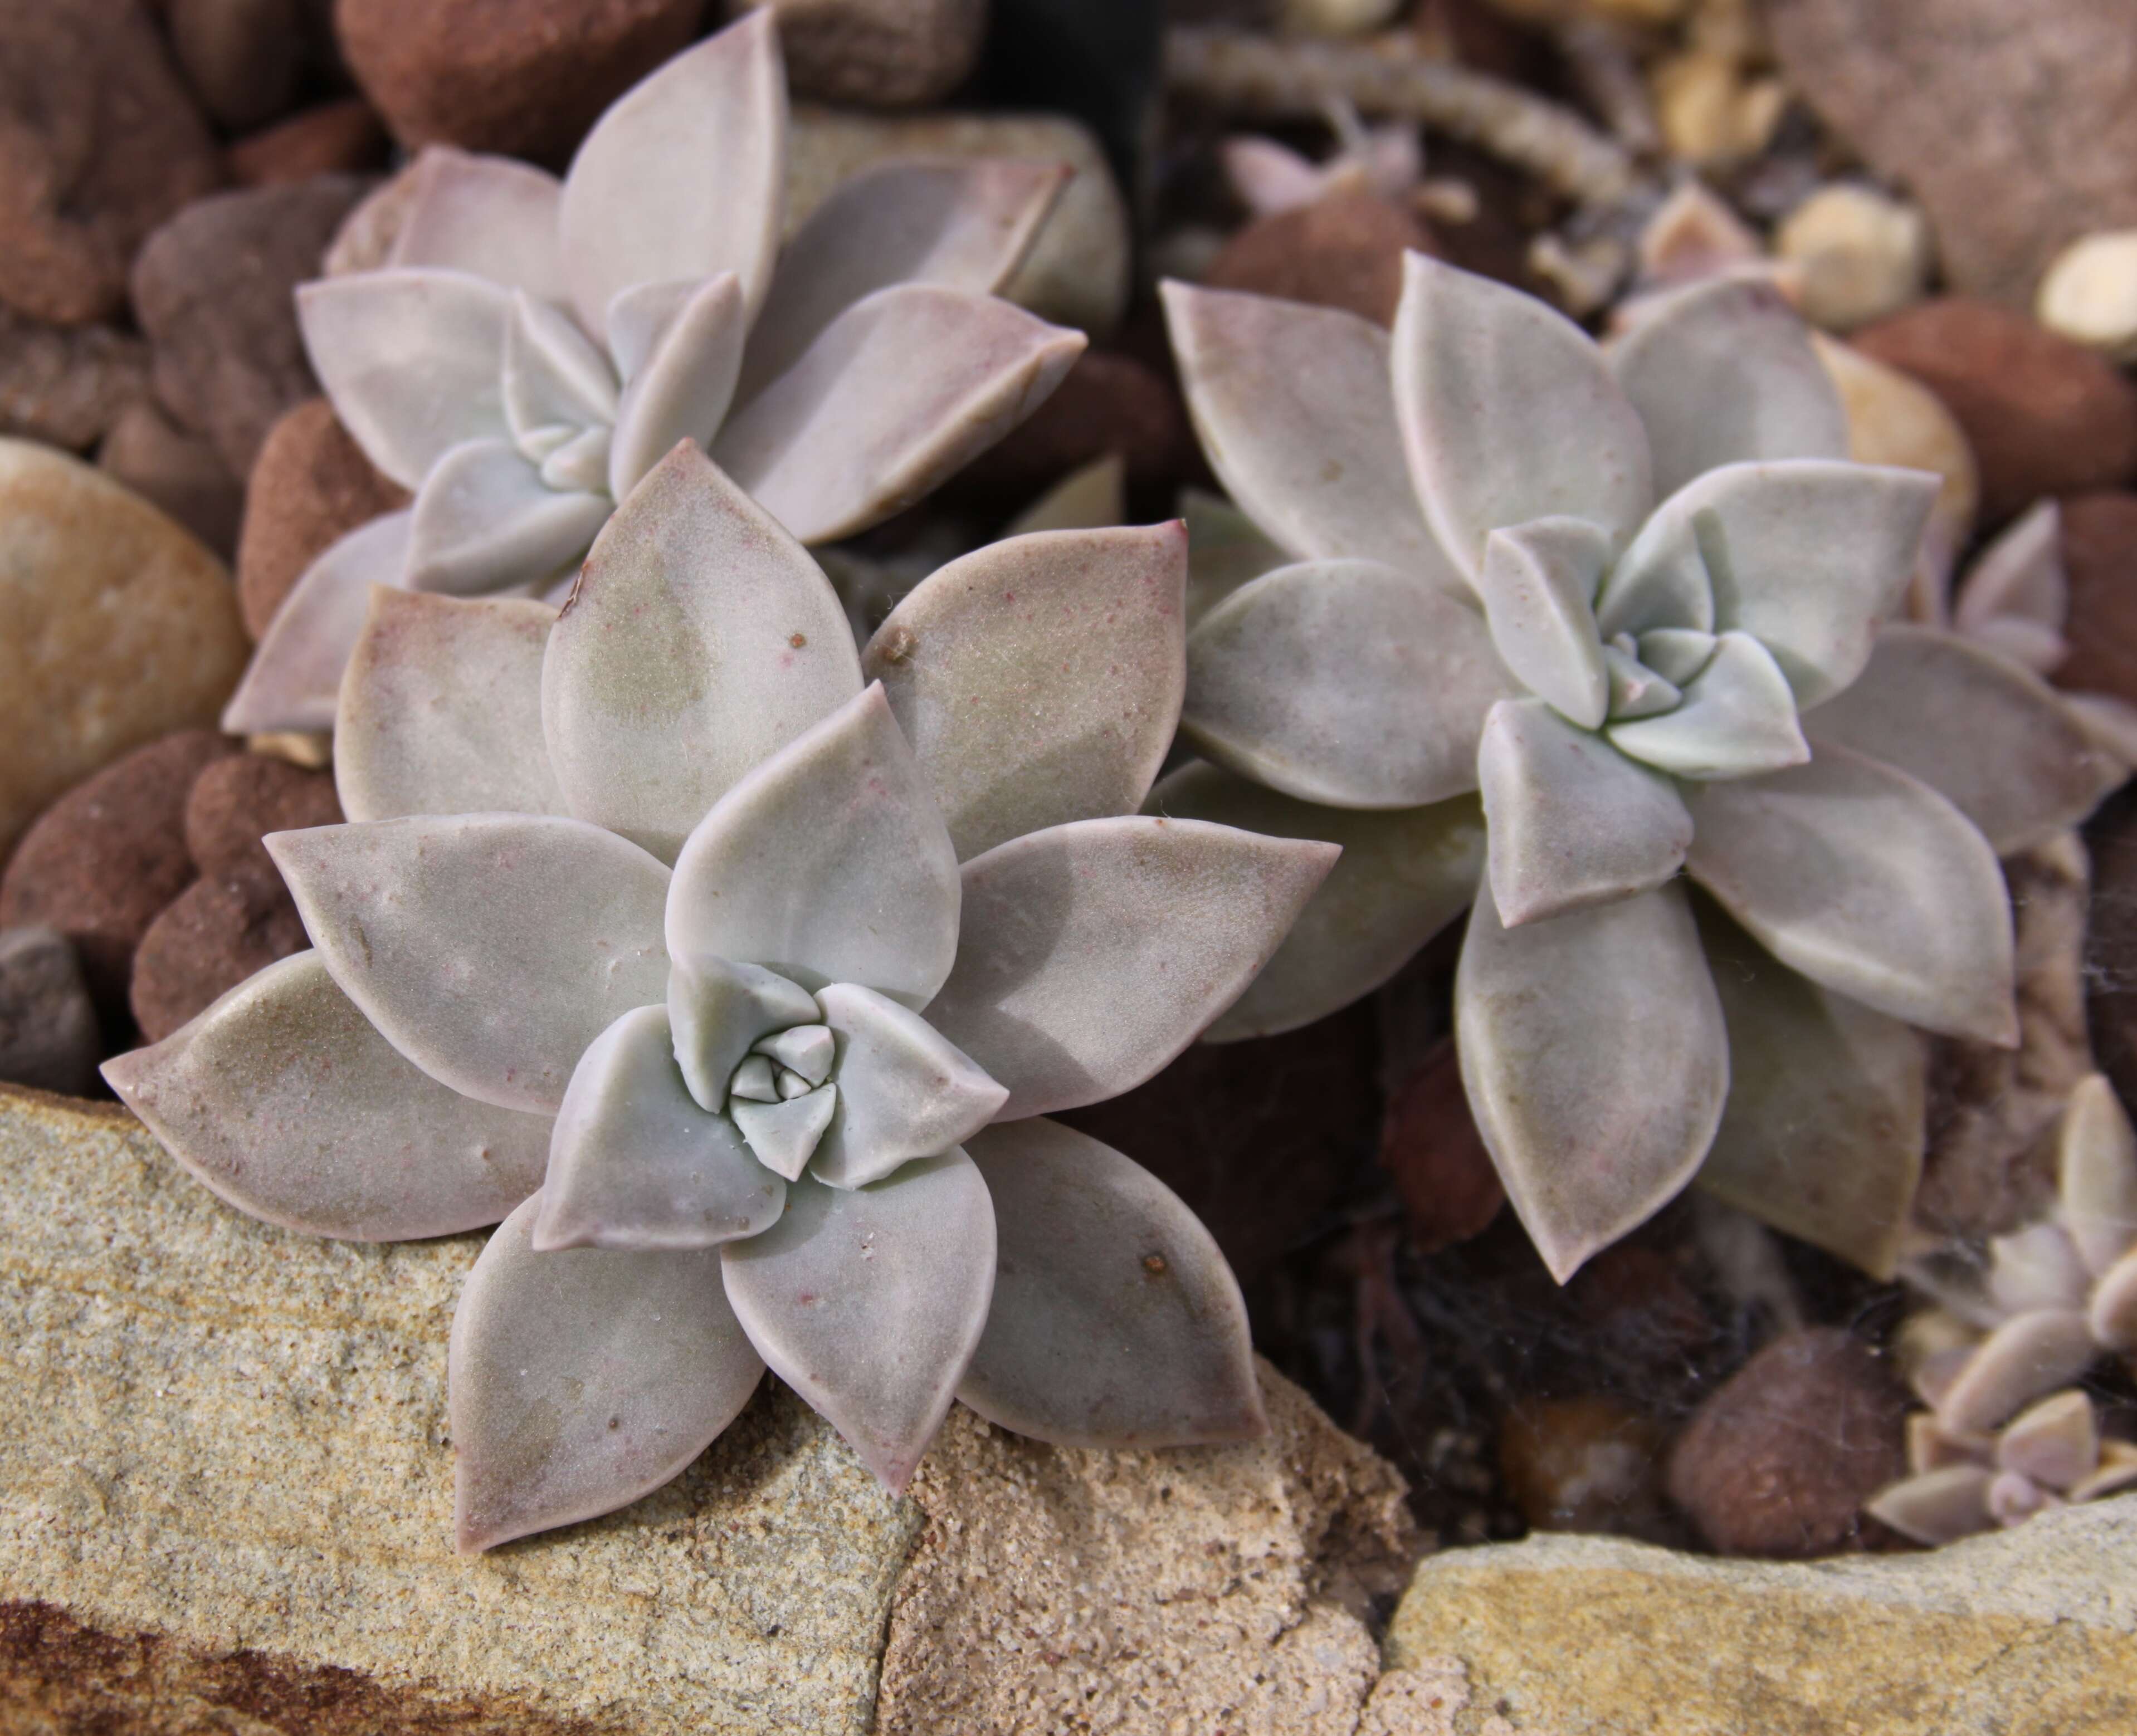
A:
x: 179, y: 472
x: 48, y: 1029
x: 879, y: 53
x: 98, y: 143
x: 1343, y: 251
x: 2013, y: 124
x: 2028, y: 1632
x: 119, y: 628
x: 243, y: 58
x: 66, y: 386
x: 236, y: 801
x: 207, y: 940
x: 2099, y: 557
x: 225, y: 1504
x: 337, y: 137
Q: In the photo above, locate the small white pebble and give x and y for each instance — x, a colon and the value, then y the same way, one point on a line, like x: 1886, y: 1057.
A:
x: 2089, y: 294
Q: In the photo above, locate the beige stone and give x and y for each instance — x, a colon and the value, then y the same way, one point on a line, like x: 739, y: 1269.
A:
x: 2028, y: 1632
x: 2089, y: 294
x: 119, y: 627
x: 1862, y: 254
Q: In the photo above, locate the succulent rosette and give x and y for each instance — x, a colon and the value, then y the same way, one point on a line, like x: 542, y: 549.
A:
x: 1540, y: 630
x: 534, y: 347
x: 738, y: 973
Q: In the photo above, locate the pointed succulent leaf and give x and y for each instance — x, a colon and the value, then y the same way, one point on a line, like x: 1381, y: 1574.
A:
x: 2036, y: 1266
x: 1225, y: 550
x: 1538, y: 584
x: 580, y: 466
x: 484, y: 519
x: 1344, y: 683
x: 900, y: 392
x: 1824, y: 1131
x: 635, y: 1163
x: 828, y: 862
x: 1573, y: 822
x: 902, y: 1092
x: 1039, y: 679
x: 1636, y: 691
x: 1677, y: 653
x: 2055, y: 1441
x: 683, y: 177
x: 1939, y: 1506
x: 442, y: 709
x: 1723, y: 372
x: 1405, y: 874
x: 283, y: 1100
x: 1296, y: 417
x: 1091, y: 953
x: 495, y: 217
x: 413, y: 361
x: 489, y: 949
x: 700, y: 639
x: 1992, y: 738
x: 1737, y: 717
x: 868, y: 1301
x: 1115, y: 1322
x: 554, y: 376
x: 1660, y: 585
x: 2020, y: 578
x: 808, y: 1050
x: 639, y: 316
x: 718, y: 1010
x: 1867, y: 882
x: 966, y: 226
x: 2112, y: 1315
x: 754, y: 1081
x: 583, y: 1379
x: 294, y: 681
x: 785, y: 1134
x: 1091, y: 497
x: 2117, y: 1470
x: 683, y: 389
x: 2096, y: 1173
x: 2022, y: 1359
x: 1508, y: 413
x: 1596, y: 1063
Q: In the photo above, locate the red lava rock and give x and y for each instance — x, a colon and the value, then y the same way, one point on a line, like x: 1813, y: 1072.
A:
x: 101, y: 863
x: 67, y: 385
x: 2043, y: 415
x: 208, y: 940
x: 341, y: 138
x: 2100, y: 554
x: 48, y: 1031
x: 98, y: 143
x: 1780, y: 1459
x: 526, y: 77
x: 311, y: 485
x: 178, y: 471
x: 236, y: 801
x: 1343, y: 251
x: 1430, y: 1145
x: 1582, y: 1465
x: 1107, y: 402
x: 243, y: 58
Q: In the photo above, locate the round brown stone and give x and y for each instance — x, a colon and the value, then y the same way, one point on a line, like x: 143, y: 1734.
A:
x: 311, y: 485
x: 236, y: 801
x: 341, y: 138
x: 2100, y: 554
x: 1343, y: 251
x: 214, y: 935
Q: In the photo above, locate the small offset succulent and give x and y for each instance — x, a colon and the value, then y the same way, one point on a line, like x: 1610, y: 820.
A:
x: 2006, y: 1436
x: 535, y: 347
x: 783, y: 1102
x: 1633, y: 599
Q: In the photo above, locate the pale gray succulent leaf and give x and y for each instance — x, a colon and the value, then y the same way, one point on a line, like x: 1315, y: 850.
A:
x: 785, y: 1133
x: 700, y: 639
x: 868, y: 1301
x: 1937, y: 1506
x: 1344, y: 683
x: 903, y: 1091
x: 1091, y: 953
x: 1225, y: 548
x: 485, y: 517
x: 554, y: 374
x: 1676, y: 654
x: 493, y: 216
x: 2111, y: 1316
x: 489, y: 949
x: 639, y: 316
x: 1636, y: 691
x: 2036, y: 1266
x: 580, y: 1380
x: 1737, y: 717
x: 1868, y: 882
x: 282, y: 1099
x: 1115, y: 1322
x: 718, y: 1010
x: 2024, y: 1358
x: 683, y: 388
x: 1039, y: 679
x: 2054, y: 1442
x: 2096, y: 1173
x: 2019, y: 581
x: 1538, y: 583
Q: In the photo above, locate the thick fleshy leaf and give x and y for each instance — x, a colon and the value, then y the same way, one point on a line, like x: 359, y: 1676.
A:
x: 1039, y: 679
x: 1573, y: 822
x: 966, y: 226
x: 901, y: 391
x: 1637, y: 691
x: 635, y: 1163
x: 283, y: 1100
x: 294, y: 681
x: 1823, y: 1132
x: 1736, y: 717
x: 1868, y: 882
x: 584, y: 1379
x: 2022, y: 1359
x: 1723, y: 372
x: 1939, y: 1506
x: 554, y: 376
x: 1093, y: 497
x: 489, y: 949
x: 1538, y: 584
x: 684, y: 176
x: 1809, y: 555
x: 2096, y: 1173
x: 1344, y: 683
x: 868, y: 1301
x: 1405, y: 874
x: 413, y: 360
x: 2056, y: 1441
x: 2019, y: 582
x: 1225, y: 550
x: 1115, y: 1322
x: 1596, y: 1063
x: 808, y: 1050
x: 1508, y: 413
x: 485, y: 519
x: 700, y: 639
x: 902, y: 1092
x: 1091, y: 953
x: 718, y: 1010
x: 827, y: 863
x: 494, y: 216
x: 1994, y: 739
x: 2036, y: 1266
x: 1296, y: 417
x: 784, y: 1135
x: 442, y: 709
x: 2112, y: 1315
x: 683, y: 389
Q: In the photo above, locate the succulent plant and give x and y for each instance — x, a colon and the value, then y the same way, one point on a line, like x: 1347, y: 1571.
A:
x: 534, y: 347
x: 785, y: 1101
x: 2006, y: 1436
x: 1633, y: 599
